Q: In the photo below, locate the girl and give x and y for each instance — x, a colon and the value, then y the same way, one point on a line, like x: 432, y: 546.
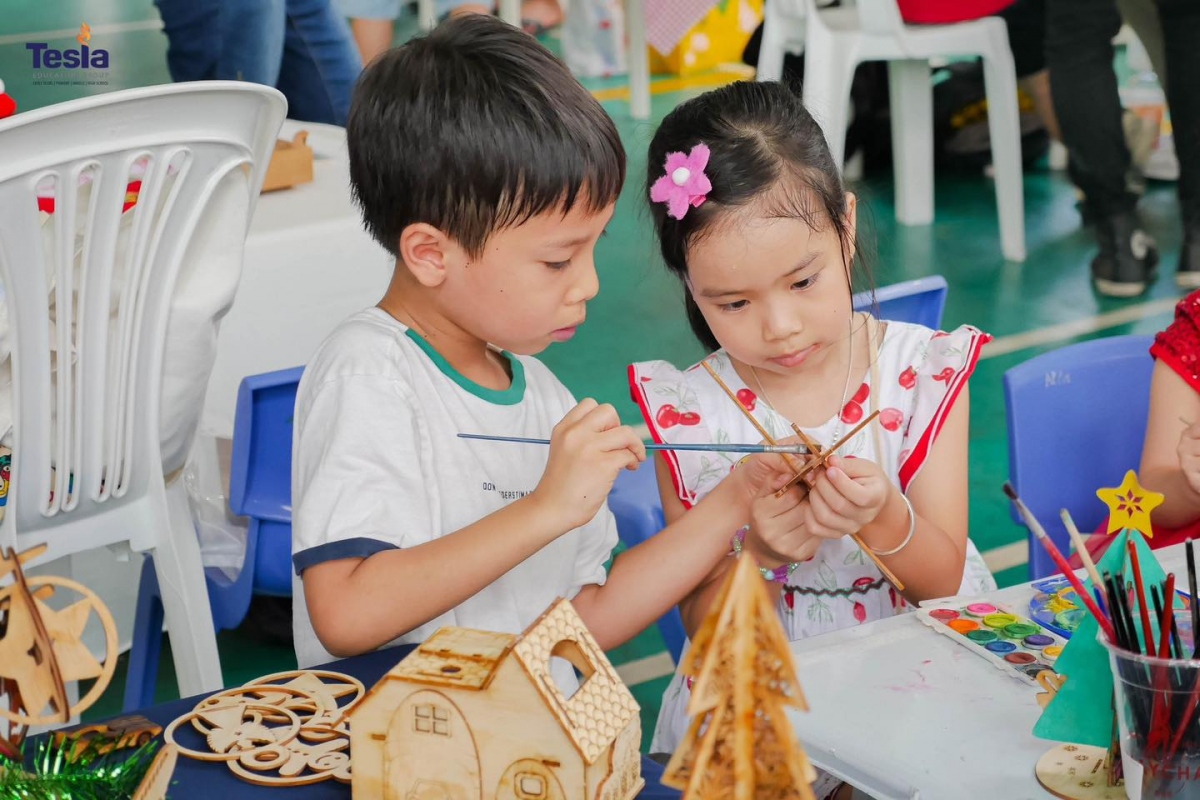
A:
x: 752, y: 217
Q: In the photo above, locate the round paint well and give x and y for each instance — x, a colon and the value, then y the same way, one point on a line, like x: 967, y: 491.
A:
x: 1053, y: 651
x: 1019, y: 658
x: 963, y: 625
x: 1019, y: 630
x: 981, y: 609
x: 1001, y: 647
x: 944, y: 614
x: 982, y: 637
x: 1037, y: 641
x: 999, y: 620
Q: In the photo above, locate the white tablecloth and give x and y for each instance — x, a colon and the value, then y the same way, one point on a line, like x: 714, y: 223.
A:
x: 903, y: 712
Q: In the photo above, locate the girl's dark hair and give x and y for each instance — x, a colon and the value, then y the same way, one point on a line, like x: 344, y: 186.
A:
x: 473, y: 128
x: 765, y: 148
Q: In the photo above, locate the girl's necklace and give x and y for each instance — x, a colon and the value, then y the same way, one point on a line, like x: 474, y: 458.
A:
x: 837, y: 432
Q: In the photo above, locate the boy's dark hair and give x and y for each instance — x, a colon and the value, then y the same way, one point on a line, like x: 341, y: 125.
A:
x: 474, y: 128
x: 765, y: 149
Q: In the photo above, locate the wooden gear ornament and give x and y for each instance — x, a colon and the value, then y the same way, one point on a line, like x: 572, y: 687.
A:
x: 42, y: 648
x: 286, y: 729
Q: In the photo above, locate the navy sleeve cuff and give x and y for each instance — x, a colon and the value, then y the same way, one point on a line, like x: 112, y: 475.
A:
x: 358, y: 547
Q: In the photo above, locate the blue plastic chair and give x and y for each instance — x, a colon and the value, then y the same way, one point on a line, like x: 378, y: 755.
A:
x: 919, y: 301
x: 1076, y: 422
x: 636, y: 504
x: 635, y: 501
x: 260, y: 487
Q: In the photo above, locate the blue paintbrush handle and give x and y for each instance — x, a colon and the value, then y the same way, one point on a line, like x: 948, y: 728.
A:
x: 714, y: 447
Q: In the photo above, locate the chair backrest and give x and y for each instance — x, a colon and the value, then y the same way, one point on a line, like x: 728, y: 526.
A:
x: 138, y: 179
x: 260, y: 470
x: 637, y: 507
x: 1076, y: 421
x: 921, y: 301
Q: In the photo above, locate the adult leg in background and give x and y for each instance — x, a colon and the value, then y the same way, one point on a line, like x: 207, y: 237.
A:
x: 1079, y: 55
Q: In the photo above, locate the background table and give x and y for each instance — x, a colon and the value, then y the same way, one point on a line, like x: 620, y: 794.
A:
x: 308, y: 265
x: 901, y: 711
x: 204, y: 780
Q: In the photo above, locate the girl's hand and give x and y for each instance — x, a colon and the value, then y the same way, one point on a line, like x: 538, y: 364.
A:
x: 778, y: 534
x: 1189, y: 455
x: 763, y: 473
x: 588, y: 448
x: 845, y: 496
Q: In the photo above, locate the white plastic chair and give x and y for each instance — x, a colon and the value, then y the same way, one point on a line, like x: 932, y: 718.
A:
x: 836, y: 40
x: 86, y: 462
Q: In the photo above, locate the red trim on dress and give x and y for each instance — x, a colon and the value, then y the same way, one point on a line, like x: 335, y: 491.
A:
x: 638, y: 394
x: 920, y: 452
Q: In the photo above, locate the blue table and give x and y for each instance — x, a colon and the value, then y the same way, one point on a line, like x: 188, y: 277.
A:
x: 202, y: 779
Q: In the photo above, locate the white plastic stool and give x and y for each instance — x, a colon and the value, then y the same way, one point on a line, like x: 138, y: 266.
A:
x: 836, y: 40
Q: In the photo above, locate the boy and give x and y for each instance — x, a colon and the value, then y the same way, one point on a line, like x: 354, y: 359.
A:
x: 490, y: 173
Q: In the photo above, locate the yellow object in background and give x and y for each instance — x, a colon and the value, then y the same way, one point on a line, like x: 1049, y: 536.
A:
x: 717, y: 39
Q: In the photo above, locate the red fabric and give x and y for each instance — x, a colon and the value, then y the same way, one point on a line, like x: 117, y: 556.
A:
x: 942, y: 12
x: 1179, y: 345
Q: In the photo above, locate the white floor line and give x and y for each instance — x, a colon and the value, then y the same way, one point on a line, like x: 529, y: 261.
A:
x: 98, y: 32
x: 1067, y: 330
x: 1008, y: 556
x: 643, y: 670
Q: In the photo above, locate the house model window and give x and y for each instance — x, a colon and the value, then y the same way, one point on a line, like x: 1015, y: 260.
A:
x: 429, y: 718
x: 530, y: 786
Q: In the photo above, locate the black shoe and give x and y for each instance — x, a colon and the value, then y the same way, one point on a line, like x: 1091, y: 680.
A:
x: 1127, y: 259
x: 1188, y: 276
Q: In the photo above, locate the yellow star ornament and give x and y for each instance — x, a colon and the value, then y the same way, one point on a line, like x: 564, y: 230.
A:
x: 1129, y: 506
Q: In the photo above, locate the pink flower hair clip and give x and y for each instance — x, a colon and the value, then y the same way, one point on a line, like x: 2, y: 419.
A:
x: 684, y: 183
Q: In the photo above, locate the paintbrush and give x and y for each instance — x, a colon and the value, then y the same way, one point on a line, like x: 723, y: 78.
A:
x: 711, y: 447
x: 1081, y: 549
x: 1040, y: 534
x: 1191, y: 568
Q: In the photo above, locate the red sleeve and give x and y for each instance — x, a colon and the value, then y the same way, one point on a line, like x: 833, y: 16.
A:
x: 1179, y: 345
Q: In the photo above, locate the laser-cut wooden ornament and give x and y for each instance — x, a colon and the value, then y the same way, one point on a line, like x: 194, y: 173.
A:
x: 740, y: 743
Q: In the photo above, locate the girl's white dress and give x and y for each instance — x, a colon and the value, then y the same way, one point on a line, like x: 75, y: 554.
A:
x: 914, y: 381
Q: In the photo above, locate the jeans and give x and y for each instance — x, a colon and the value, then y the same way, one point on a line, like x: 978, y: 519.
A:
x: 1079, y: 54
x: 301, y: 47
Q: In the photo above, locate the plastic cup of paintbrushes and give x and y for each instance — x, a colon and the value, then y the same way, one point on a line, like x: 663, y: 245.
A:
x: 1158, y: 720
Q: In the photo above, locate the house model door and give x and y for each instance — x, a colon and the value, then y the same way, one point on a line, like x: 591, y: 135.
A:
x: 430, y: 753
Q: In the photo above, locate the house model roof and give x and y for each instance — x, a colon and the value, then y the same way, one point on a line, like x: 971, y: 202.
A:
x: 455, y: 657
x: 602, y: 707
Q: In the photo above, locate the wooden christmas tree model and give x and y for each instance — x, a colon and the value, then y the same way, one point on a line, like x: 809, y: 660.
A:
x: 740, y: 743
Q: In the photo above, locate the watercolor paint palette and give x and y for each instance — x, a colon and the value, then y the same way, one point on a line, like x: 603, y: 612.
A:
x: 1056, y: 606
x: 1012, y: 643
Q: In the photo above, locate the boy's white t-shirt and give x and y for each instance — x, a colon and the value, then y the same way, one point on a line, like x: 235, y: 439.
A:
x: 377, y: 464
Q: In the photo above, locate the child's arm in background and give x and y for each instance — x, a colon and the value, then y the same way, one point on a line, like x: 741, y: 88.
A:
x: 647, y: 580
x: 1171, y: 453
x: 359, y: 604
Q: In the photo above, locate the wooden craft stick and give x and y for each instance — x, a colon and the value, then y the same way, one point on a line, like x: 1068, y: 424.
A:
x: 811, y: 465
x: 1084, y: 555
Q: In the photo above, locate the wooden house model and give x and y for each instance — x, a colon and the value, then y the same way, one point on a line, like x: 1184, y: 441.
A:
x: 477, y: 715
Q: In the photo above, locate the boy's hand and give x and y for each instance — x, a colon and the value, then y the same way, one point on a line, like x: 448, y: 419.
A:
x: 588, y: 447
x: 845, y: 496
x: 1189, y: 455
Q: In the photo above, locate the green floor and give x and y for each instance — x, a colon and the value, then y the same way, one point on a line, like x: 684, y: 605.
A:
x: 1032, y: 307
